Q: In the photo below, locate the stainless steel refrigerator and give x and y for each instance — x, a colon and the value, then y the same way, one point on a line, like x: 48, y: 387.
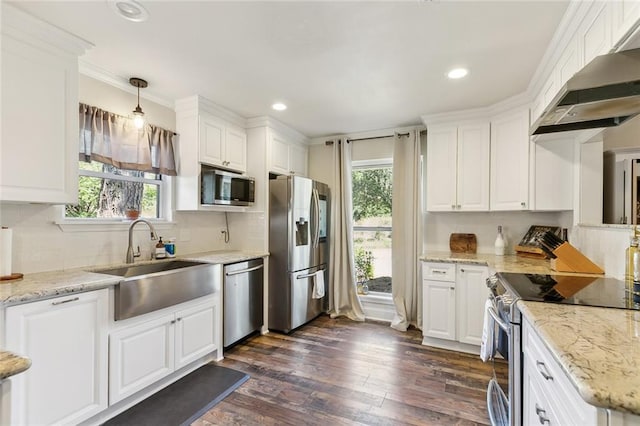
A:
x: 298, y: 250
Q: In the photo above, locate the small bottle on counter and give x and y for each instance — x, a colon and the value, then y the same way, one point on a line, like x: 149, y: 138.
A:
x: 170, y: 247
x: 161, y: 253
x: 500, y: 242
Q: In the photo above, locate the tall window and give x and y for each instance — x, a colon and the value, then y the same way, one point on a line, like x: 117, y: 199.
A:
x: 105, y: 191
x: 372, y: 186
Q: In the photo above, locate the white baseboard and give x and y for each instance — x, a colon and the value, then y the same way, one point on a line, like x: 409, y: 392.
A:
x: 451, y: 345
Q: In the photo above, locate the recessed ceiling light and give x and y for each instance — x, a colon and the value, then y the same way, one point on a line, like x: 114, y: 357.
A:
x: 457, y: 73
x: 129, y: 9
x: 278, y: 106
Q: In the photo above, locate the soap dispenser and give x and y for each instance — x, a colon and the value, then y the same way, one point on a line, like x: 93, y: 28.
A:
x: 161, y: 252
x: 500, y: 243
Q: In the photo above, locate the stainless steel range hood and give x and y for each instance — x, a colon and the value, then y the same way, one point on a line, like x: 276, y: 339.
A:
x: 604, y: 93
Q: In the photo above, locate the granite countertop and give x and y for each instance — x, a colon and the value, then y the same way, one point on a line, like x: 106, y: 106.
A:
x: 507, y: 263
x: 44, y: 285
x: 598, y: 349
x: 12, y: 364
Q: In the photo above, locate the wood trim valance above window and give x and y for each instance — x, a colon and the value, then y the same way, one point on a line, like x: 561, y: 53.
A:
x: 113, y: 139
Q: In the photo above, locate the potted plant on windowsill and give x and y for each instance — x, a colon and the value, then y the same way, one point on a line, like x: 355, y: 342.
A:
x: 132, y: 213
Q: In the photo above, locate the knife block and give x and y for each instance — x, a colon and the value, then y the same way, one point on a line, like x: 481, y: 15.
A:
x: 569, y: 259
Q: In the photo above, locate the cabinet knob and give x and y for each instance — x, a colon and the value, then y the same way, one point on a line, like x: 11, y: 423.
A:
x: 173, y: 321
x: 542, y: 369
x: 458, y: 206
x: 452, y: 288
x: 523, y: 204
x: 461, y: 270
x: 541, y: 415
x: 453, y: 206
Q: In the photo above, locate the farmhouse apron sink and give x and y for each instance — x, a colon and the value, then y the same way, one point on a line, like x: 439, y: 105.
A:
x: 147, y: 288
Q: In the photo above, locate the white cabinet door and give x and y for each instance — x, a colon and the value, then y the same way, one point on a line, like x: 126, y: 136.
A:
x: 473, y: 167
x: 472, y: 292
x: 66, y: 340
x: 554, y: 171
x: 569, y: 62
x: 278, y: 154
x: 298, y: 160
x: 626, y: 14
x: 439, y: 309
x: 595, y: 32
x: 441, y: 168
x: 39, y: 149
x: 211, y: 135
x: 139, y: 356
x: 235, y: 149
x: 510, y: 161
x: 195, y: 334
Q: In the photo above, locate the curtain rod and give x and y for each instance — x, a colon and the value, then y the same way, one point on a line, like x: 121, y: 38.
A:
x: 373, y: 137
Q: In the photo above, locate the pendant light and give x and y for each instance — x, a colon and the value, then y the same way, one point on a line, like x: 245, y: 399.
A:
x: 138, y: 115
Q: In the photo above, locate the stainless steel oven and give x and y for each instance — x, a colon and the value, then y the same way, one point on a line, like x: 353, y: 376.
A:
x: 506, y: 289
x: 504, y: 403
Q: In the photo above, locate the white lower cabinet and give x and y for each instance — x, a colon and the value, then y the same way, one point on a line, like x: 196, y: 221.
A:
x: 453, y: 302
x: 66, y: 340
x: 144, y: 352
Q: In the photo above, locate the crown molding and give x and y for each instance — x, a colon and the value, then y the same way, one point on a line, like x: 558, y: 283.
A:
x: 194, y: 105
x: 90, y: 70
x: 268, y: 121
x: 18, y: 23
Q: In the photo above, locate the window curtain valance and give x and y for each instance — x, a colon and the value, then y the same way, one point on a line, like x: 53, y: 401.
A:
x: 113, y: 139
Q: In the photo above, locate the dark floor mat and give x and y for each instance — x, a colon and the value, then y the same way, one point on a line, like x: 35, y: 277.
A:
x: 184, y: 401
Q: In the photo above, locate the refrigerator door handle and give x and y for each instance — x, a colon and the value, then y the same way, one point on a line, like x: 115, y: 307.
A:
x: 316, y: 225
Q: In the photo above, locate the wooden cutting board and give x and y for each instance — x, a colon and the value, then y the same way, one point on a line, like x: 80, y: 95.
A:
x: 463, y: 243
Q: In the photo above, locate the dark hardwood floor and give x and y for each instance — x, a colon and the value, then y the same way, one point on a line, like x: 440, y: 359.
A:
x: 339, y: 372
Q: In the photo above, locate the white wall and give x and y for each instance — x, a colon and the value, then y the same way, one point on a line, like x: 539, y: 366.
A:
x: 41, y: 245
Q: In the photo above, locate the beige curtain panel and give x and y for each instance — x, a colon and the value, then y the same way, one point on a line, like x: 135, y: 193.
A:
x: 113, y: 139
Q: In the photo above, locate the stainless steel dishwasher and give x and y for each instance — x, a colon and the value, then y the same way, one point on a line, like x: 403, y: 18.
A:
x: 243, y: 299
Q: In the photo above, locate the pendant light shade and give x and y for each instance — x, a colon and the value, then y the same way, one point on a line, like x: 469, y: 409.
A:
x: 138, y: 114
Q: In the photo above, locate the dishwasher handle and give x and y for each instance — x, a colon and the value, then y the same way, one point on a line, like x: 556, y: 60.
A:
x: 243, y: 271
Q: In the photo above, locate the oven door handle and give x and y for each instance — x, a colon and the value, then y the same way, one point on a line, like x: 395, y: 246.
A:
x: 503, y: 325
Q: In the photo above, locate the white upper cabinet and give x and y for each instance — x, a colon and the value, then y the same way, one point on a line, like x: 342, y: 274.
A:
x: 286, y: 157
x: 625, y: 14
x: 552, y: 162
x: 222, y: 144
x: 208, y: 135
x: 595, y: 32
x: 458, y: 167
x: 569, y: 62
x: 510, y: 161
x: 39, y: 141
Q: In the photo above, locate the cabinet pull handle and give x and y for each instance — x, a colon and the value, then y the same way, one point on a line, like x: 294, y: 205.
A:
x: 65, y: 301
x: 173, y: 321
x: 540, y: 413
x: 461, y: 270
x: 179, y: 319
x: 452, y: 288
x: 542, y: 369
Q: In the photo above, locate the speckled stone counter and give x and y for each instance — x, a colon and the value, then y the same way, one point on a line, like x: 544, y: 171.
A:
x: 12, y: 364
x: 51, y: 284
x: 508, y: 263
x: 598, y: 349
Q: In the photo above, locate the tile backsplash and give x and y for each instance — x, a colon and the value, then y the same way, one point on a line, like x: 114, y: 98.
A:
x: 41, y: 245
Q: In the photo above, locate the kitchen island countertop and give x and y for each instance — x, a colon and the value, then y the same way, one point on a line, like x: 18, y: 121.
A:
x: 598, y: 349
x: 12, y: 364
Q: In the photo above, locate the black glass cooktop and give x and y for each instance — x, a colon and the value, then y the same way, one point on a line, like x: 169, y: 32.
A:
x: 573, y: 290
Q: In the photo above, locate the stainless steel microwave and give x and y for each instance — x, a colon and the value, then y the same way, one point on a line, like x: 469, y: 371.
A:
x: 218, y: 187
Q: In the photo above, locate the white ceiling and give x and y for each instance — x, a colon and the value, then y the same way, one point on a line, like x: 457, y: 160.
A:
x: 341, y: 67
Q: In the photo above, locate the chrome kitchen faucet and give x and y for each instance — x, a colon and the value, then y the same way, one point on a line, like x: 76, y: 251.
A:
x: 154, y: 236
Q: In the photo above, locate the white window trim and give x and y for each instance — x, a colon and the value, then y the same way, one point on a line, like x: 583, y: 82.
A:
x: 69, y: 224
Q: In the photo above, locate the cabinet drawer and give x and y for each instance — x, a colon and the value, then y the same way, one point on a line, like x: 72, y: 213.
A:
x: 553, y: 382
x: 438, y: 271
